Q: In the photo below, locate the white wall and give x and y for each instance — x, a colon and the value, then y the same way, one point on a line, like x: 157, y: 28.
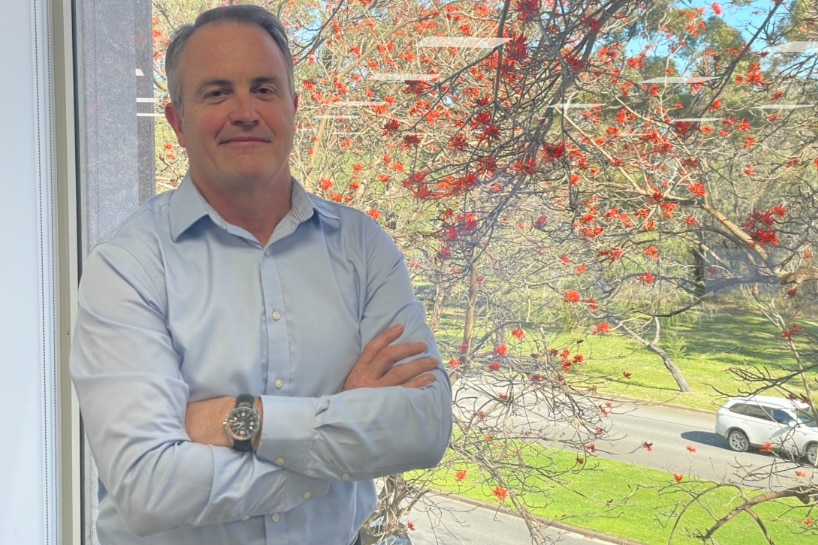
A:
x: 29, y: 505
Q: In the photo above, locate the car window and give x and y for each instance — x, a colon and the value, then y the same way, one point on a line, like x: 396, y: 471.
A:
x: 739, y: 408
x: 756, y: 411
x: 782, y: 416
x: 805, y: 418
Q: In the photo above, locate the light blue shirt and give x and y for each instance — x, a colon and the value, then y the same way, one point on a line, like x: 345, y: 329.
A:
x: 176, y: 305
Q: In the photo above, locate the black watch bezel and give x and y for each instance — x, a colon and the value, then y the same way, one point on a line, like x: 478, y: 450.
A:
x: 242, y: 424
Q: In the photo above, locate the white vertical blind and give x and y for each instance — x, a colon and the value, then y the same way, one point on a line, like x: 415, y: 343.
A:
x: 29, y: 479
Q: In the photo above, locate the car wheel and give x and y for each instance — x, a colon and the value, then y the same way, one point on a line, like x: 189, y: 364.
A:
x: 737, y: 440
x: 812, y: 453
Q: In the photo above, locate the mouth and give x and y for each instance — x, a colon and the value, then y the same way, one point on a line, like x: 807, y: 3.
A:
x: 239, y: 140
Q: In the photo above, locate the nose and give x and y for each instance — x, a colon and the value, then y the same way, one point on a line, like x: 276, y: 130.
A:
x: 244, y: 110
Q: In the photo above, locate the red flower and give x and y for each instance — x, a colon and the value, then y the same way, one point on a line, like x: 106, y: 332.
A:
x: 766, y: 447
x: 500, y: 493
x: 696, y: 189
x: 571, y: 296
x: 691, y: 449
x: 678, y: 478
x: 494, y: 366
x: 626, y: 374
x: 518, y: 334
x: 391, y: 127
x: 648, y: 446
x: 460, y: 475
x: 501, y: 350
x: 794, y: 330
x: 454, y: 363
x: 601, y: 328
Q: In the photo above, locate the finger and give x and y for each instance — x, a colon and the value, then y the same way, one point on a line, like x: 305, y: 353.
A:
x: 421, y: 381
x: 406, y: 372
x: 389, y: 356
x: 384, y: 339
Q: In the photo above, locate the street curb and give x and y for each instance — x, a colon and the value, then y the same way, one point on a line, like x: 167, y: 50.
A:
x: 591, y: 534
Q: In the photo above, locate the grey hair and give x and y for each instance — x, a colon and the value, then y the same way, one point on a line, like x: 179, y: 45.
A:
x: 244, y: 14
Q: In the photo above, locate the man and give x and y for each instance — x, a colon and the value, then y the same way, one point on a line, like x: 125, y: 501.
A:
x: 247, y: 357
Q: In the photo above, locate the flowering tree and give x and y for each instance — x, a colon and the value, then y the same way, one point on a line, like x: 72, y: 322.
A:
x: 599, y: 166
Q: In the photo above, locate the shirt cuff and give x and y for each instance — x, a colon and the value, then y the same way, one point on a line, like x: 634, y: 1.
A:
x: 288, y: 431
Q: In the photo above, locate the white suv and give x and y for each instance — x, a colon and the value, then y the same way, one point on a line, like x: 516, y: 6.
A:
x: 785, y: 425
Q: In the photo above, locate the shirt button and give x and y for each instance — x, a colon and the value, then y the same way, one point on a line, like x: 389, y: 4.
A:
x: 276, y: 315
x: 307, y: 495
x: 278, y: 383
x: 275, y: 517
x: 345, y: 476
x: 279, y: 461
x: 267, y: 252
x: 245, y: 518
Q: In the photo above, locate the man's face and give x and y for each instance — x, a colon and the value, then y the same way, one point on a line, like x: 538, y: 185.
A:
x: 238, y: 115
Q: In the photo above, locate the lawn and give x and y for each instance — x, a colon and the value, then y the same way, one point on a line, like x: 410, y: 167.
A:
x: 656, y: 507
x: 707, y: 347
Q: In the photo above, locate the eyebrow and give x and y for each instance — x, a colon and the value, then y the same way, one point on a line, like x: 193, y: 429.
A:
x: 275, y: 80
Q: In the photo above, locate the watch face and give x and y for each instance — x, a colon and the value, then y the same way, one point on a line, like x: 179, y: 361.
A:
x: 242, y: 423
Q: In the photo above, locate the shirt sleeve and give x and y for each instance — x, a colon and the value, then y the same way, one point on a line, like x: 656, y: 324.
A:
x: 133, y: 402
x: 368, y: 432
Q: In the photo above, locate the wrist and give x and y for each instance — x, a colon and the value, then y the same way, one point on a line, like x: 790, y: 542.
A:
x: 259, y: 406
x: 243, y: 423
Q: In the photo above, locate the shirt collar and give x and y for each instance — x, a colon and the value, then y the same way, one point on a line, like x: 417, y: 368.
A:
x: 187, y: 206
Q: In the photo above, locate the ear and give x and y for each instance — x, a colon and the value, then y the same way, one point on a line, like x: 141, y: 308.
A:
x: 174, y: 117
x: 295, y: 102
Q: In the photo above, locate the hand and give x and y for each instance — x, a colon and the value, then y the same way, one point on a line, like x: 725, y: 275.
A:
x: 376, y: 367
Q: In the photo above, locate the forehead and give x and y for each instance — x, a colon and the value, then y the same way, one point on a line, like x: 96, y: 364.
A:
x: 228, y: 50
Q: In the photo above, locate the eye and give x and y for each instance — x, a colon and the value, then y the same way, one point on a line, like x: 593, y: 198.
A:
x: 215, y: 94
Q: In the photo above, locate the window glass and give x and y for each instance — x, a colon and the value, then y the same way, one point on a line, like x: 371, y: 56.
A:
x: 602, y: 204
x: 757, y: 411
x: 781, y: 417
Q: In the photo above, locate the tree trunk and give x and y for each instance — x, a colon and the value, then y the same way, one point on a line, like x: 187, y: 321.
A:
x: 699, y: 268
x: 671, y: 366
x: 668, y: 362
x: 471, y: 303
x: 438, y: 307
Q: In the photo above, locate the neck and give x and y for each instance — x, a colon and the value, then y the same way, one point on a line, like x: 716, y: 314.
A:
x: 256, y: 208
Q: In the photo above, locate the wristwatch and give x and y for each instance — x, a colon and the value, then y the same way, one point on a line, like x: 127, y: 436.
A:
x: 243, y: 423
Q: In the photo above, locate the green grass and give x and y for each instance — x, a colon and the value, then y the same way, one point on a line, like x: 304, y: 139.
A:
x: 705, y: 349
x: 591, y: 498
x: 705, y: 346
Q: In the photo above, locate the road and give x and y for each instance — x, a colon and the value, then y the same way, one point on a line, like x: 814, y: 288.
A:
x: 452, y: 522
x: 683, y: 442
